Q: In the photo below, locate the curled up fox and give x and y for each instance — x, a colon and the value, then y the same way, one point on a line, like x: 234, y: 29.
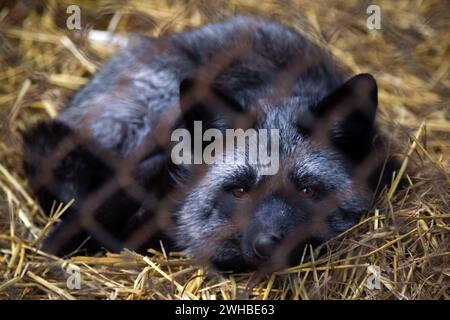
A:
x: 169, y: 141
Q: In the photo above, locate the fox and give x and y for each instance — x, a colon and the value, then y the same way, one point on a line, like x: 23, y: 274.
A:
x: 109, y: 150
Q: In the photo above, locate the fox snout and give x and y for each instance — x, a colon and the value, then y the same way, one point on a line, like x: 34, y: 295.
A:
x: 265, y: 244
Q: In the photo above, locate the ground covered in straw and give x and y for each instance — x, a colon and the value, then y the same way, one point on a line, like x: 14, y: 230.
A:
x: 405, y: 233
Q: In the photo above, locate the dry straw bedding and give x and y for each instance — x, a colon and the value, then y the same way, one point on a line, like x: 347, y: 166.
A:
x: 405, y: 233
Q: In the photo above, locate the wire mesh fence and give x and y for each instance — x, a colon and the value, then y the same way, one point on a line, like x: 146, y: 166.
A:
x: 128, y: 193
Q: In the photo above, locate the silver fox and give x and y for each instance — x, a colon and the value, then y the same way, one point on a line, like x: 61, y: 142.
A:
x: 110, y: 148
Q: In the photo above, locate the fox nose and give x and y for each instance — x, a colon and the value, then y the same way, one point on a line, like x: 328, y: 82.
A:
x: 265, y: 244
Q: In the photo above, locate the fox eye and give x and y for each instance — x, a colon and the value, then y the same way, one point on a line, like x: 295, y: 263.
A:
x: 239, y: 192
x: 308, y: 192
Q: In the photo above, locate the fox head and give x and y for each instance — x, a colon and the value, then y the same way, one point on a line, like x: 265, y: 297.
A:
x: 330, y: 163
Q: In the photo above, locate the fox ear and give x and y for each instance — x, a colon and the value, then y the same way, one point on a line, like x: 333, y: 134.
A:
x: 349, y: 114
x: 202, y: 101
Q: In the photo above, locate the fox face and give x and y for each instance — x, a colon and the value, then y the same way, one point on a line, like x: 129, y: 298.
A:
x: 237, y: 217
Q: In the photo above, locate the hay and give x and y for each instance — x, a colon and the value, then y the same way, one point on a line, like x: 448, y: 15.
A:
x: 405, y: 234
